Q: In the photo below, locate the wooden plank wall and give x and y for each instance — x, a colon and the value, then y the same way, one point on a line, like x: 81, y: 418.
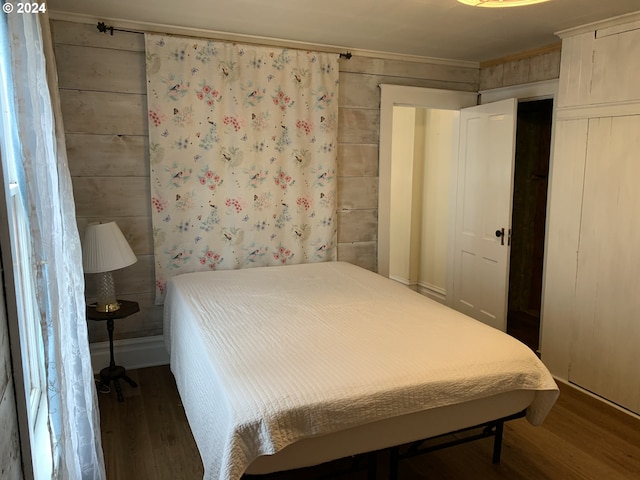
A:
x: 528, y: 67
x: 103, y: 94
x: 10, y: 458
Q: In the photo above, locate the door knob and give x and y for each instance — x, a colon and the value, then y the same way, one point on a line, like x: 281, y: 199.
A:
x: 500, y: 235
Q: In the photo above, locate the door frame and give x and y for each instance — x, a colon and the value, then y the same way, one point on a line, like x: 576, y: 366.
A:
x: 397, y: 95
x: 524, y: 92
x: 417, y: 97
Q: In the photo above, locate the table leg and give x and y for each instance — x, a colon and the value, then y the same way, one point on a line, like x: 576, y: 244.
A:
x: 114, y: 372
x: 129, y: 381
x: 112, y: 363
x: 116, y: 384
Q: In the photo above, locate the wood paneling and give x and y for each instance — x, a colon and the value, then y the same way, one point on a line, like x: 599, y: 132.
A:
x: 108, y: 155
x: 363, y: 254
x: 357, y: 193
x: 358, y: 91
x: 544, y: 67
x: 357, y: 225
x: 104, y: 70
x: 104, y: 112
x: 451, y: 74
x: 6, y: 373
x: 431, y: 71
x: 530, y: 67
x: 10, y: 462
x: 358, y: 125
x: 492, y: 77
x: 71, y: 33
x: 356, y: 160
x: 102, y: 90
x: 112, y: 196
x: 10, y: 458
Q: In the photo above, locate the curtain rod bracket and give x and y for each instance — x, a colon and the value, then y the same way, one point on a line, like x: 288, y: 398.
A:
x: 346, y: 55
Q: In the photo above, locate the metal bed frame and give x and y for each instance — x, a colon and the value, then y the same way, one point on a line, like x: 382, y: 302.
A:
x: 493, y: 428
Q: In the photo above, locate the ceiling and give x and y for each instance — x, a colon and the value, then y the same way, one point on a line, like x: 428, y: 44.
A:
x: 427, y: 28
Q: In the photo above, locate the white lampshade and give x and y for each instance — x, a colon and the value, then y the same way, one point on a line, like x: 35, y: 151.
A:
x: 104, y: 248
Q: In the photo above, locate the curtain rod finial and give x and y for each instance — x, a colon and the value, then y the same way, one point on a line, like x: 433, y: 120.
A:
x: 102, y: 27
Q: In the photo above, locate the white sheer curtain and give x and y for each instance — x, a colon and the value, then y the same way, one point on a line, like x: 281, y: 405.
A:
x: 73, y: 414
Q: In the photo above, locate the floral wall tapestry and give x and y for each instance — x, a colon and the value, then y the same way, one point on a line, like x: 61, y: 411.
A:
x: 243, y: 144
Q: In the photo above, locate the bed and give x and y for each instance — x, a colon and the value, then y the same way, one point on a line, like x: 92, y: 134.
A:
x: 291, y: 366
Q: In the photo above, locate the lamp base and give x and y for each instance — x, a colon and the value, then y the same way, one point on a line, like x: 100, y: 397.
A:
x: 107, y: 307
x: 106, y: 301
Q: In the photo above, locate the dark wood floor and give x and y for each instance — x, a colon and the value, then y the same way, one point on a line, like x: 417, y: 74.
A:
x: 147, y: 437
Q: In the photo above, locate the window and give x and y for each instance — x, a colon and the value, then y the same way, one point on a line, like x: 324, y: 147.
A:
x: 22, y: 308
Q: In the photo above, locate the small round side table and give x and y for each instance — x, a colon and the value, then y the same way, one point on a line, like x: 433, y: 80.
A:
x: 113, y: 373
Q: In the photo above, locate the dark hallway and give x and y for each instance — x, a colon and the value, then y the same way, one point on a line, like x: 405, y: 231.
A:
x: 533, y: 144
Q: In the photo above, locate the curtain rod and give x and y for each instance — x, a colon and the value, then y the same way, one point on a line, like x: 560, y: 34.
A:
x: 103, y: 28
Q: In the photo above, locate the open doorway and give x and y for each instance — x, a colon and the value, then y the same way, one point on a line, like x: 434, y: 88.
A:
x: 533, y: 136
x: 533, y: 145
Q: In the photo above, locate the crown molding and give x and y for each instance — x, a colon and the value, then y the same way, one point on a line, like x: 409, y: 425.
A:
x: 147, y: 27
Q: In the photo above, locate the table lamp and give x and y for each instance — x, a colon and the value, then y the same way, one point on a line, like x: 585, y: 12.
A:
x: 104, y: 249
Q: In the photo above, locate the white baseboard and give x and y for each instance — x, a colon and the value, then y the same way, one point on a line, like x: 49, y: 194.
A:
x: 597, y: 397
x: 404, y: 281
x: 433, y: 291
x: 130, y: 353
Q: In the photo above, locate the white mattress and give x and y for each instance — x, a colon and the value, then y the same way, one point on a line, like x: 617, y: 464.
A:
x: 269, y: 356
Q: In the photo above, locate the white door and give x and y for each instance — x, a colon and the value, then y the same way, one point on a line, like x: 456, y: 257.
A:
x: 483, y: 211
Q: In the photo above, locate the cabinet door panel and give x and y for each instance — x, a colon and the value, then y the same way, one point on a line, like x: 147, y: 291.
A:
x: 575, y: 70
x: 606, y: 332
x: 616, y: 68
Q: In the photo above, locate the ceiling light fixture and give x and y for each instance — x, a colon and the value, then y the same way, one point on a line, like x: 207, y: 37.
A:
x: 500, y: 3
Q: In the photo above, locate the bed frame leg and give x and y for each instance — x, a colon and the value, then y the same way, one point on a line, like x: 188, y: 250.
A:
x: 497, y: 442
x: 394, y: 461
x: 372, y: 467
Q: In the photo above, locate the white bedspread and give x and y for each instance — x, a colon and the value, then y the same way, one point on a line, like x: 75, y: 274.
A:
x: 266, y: 356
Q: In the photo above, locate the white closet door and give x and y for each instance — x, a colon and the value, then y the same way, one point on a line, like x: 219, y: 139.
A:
x: 605, y: 350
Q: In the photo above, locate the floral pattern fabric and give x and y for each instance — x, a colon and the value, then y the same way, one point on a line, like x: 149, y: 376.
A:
x: 243, y: 147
